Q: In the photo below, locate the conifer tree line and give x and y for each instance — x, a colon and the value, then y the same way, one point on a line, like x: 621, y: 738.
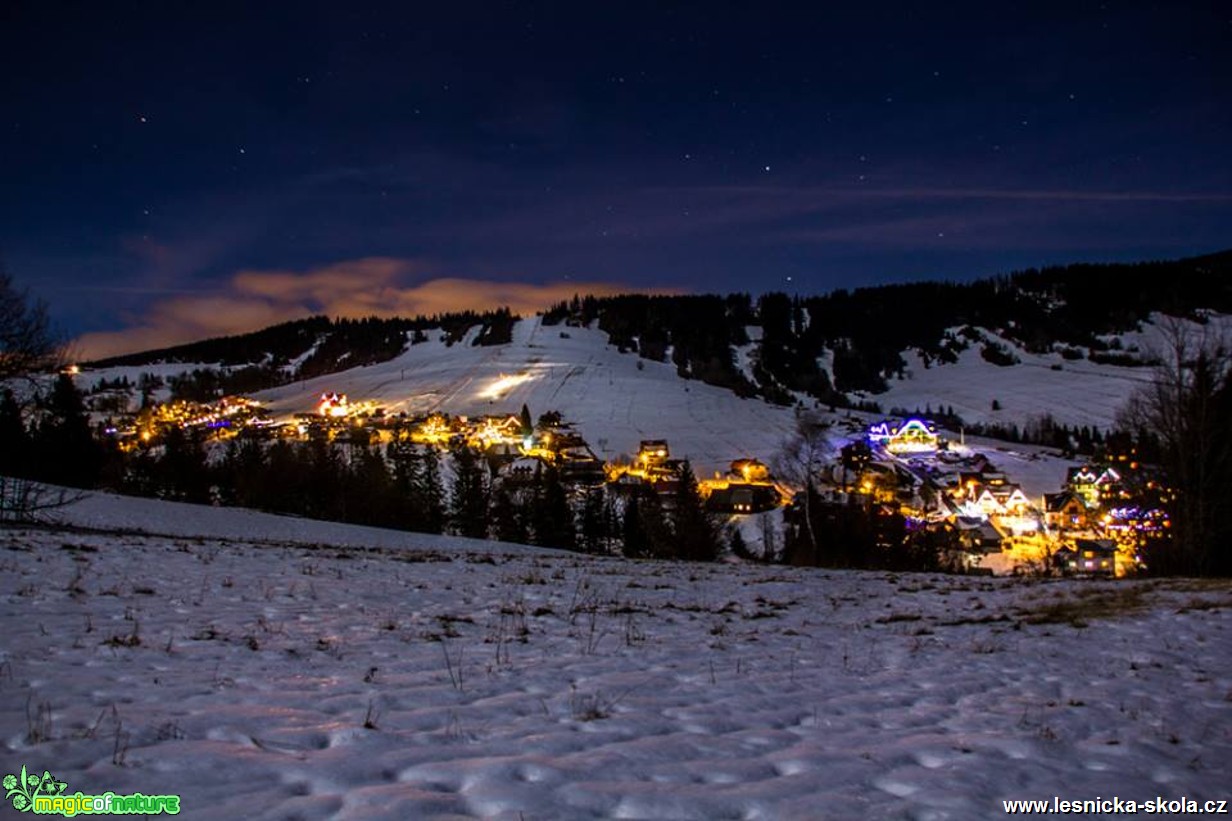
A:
x: 864, y: 332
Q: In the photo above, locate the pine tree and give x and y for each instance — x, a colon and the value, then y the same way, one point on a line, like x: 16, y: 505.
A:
x: 406, y: 476
x: 695, y: 530
x: 244, y: 473
x: 182, y: 473
x: 15, y: 441
x: 65, y: 449
x: 596, y: 522
x: 285, y: 486
x: 468, y: 504
x: 634, y: 542
x: 551, y: 517
x: 324, y: 472
x: 507, y: 524
x: 370, y: 488
x: 428, y: 497
x: 527, y: 426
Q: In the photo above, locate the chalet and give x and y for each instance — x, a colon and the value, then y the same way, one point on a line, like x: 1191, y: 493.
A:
x: 750, y: 470
x: 1091, y: 557
x: 520, y: 472
x: 1000, y: 500
x: 743, y: 498
x: 1012, y: 498
x: 978, y: 536
x: 1093, y: 483
x: 856, y: 455
x: 1065, y: 510
x: 653, y: 452
x: 912, y: 436
x: 333, y: 404
x: 579, y: 465
x: 490, y: 430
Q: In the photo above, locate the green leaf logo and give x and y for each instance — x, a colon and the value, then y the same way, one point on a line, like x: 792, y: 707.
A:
x: 23, y: 788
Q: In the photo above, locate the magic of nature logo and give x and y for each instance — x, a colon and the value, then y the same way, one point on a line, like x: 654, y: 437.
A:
x: 45, y: 795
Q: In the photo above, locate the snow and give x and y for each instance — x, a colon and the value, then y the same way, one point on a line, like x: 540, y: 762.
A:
x: 613, y: 402
x: 1074, y: 392
x: 273, y: 673
x: 129, y: 514
x: 1079, y: 393
x: 616, y: 400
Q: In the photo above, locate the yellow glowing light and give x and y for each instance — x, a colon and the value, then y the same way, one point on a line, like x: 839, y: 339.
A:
x: 503, y: 385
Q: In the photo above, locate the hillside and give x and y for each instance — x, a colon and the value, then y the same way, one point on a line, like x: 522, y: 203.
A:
x: 274, y: 676
x: 614, y: 399
x: 1072, y: 342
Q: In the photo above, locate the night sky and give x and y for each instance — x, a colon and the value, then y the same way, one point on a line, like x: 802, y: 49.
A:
x: 174, y: 170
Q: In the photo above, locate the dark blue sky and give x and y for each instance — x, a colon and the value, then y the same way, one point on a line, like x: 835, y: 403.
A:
x: 175, y: 169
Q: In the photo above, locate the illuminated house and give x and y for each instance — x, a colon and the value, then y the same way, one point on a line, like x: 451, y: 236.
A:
x: 912, y: 436
x: 653, y: 452
x: 1096, y: 557
x: 1065, y: 510
x: 750, y: 470
x: 579, y: 465
x: 437, y: 429
x: 1130, y: 519
x: 490, y: 431
x: 739, y: 497
x: 996, y: 500
x: 333, y: 404
x: 1092, y: 483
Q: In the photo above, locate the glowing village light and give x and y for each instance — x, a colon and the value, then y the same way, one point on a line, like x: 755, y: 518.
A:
x: 335, y: 405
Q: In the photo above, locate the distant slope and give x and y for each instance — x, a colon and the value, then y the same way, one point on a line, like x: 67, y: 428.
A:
x: 615, y: 399
x: 317, y: 345
x: 1071, y: 342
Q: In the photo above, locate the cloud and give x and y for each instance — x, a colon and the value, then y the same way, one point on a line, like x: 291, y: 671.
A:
x: 371, y: 286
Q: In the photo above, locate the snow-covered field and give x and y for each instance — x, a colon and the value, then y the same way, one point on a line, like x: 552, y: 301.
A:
x: 276, y: 674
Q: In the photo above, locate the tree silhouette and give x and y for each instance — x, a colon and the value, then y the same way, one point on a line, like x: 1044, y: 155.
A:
x: 1185, y: 410
x: 468, y: 504
x: 27, y: 344
x: 695, y: 531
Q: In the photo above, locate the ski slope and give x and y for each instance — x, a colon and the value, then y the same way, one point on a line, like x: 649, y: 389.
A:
x: 615, y: 400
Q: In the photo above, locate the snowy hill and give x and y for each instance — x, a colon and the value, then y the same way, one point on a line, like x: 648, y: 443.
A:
x: 615, y: 399
x: 1074, y: 393
x: 412, y: 679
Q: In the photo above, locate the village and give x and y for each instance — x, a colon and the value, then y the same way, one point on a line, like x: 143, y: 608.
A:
x: 1095, y: 524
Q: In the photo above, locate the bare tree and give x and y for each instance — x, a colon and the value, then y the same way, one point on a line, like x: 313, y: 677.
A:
x: 25, y: 500
x: 1186, y: 408
x: 27, y: 347
x: 27, y: 343
x: 800, y: 460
